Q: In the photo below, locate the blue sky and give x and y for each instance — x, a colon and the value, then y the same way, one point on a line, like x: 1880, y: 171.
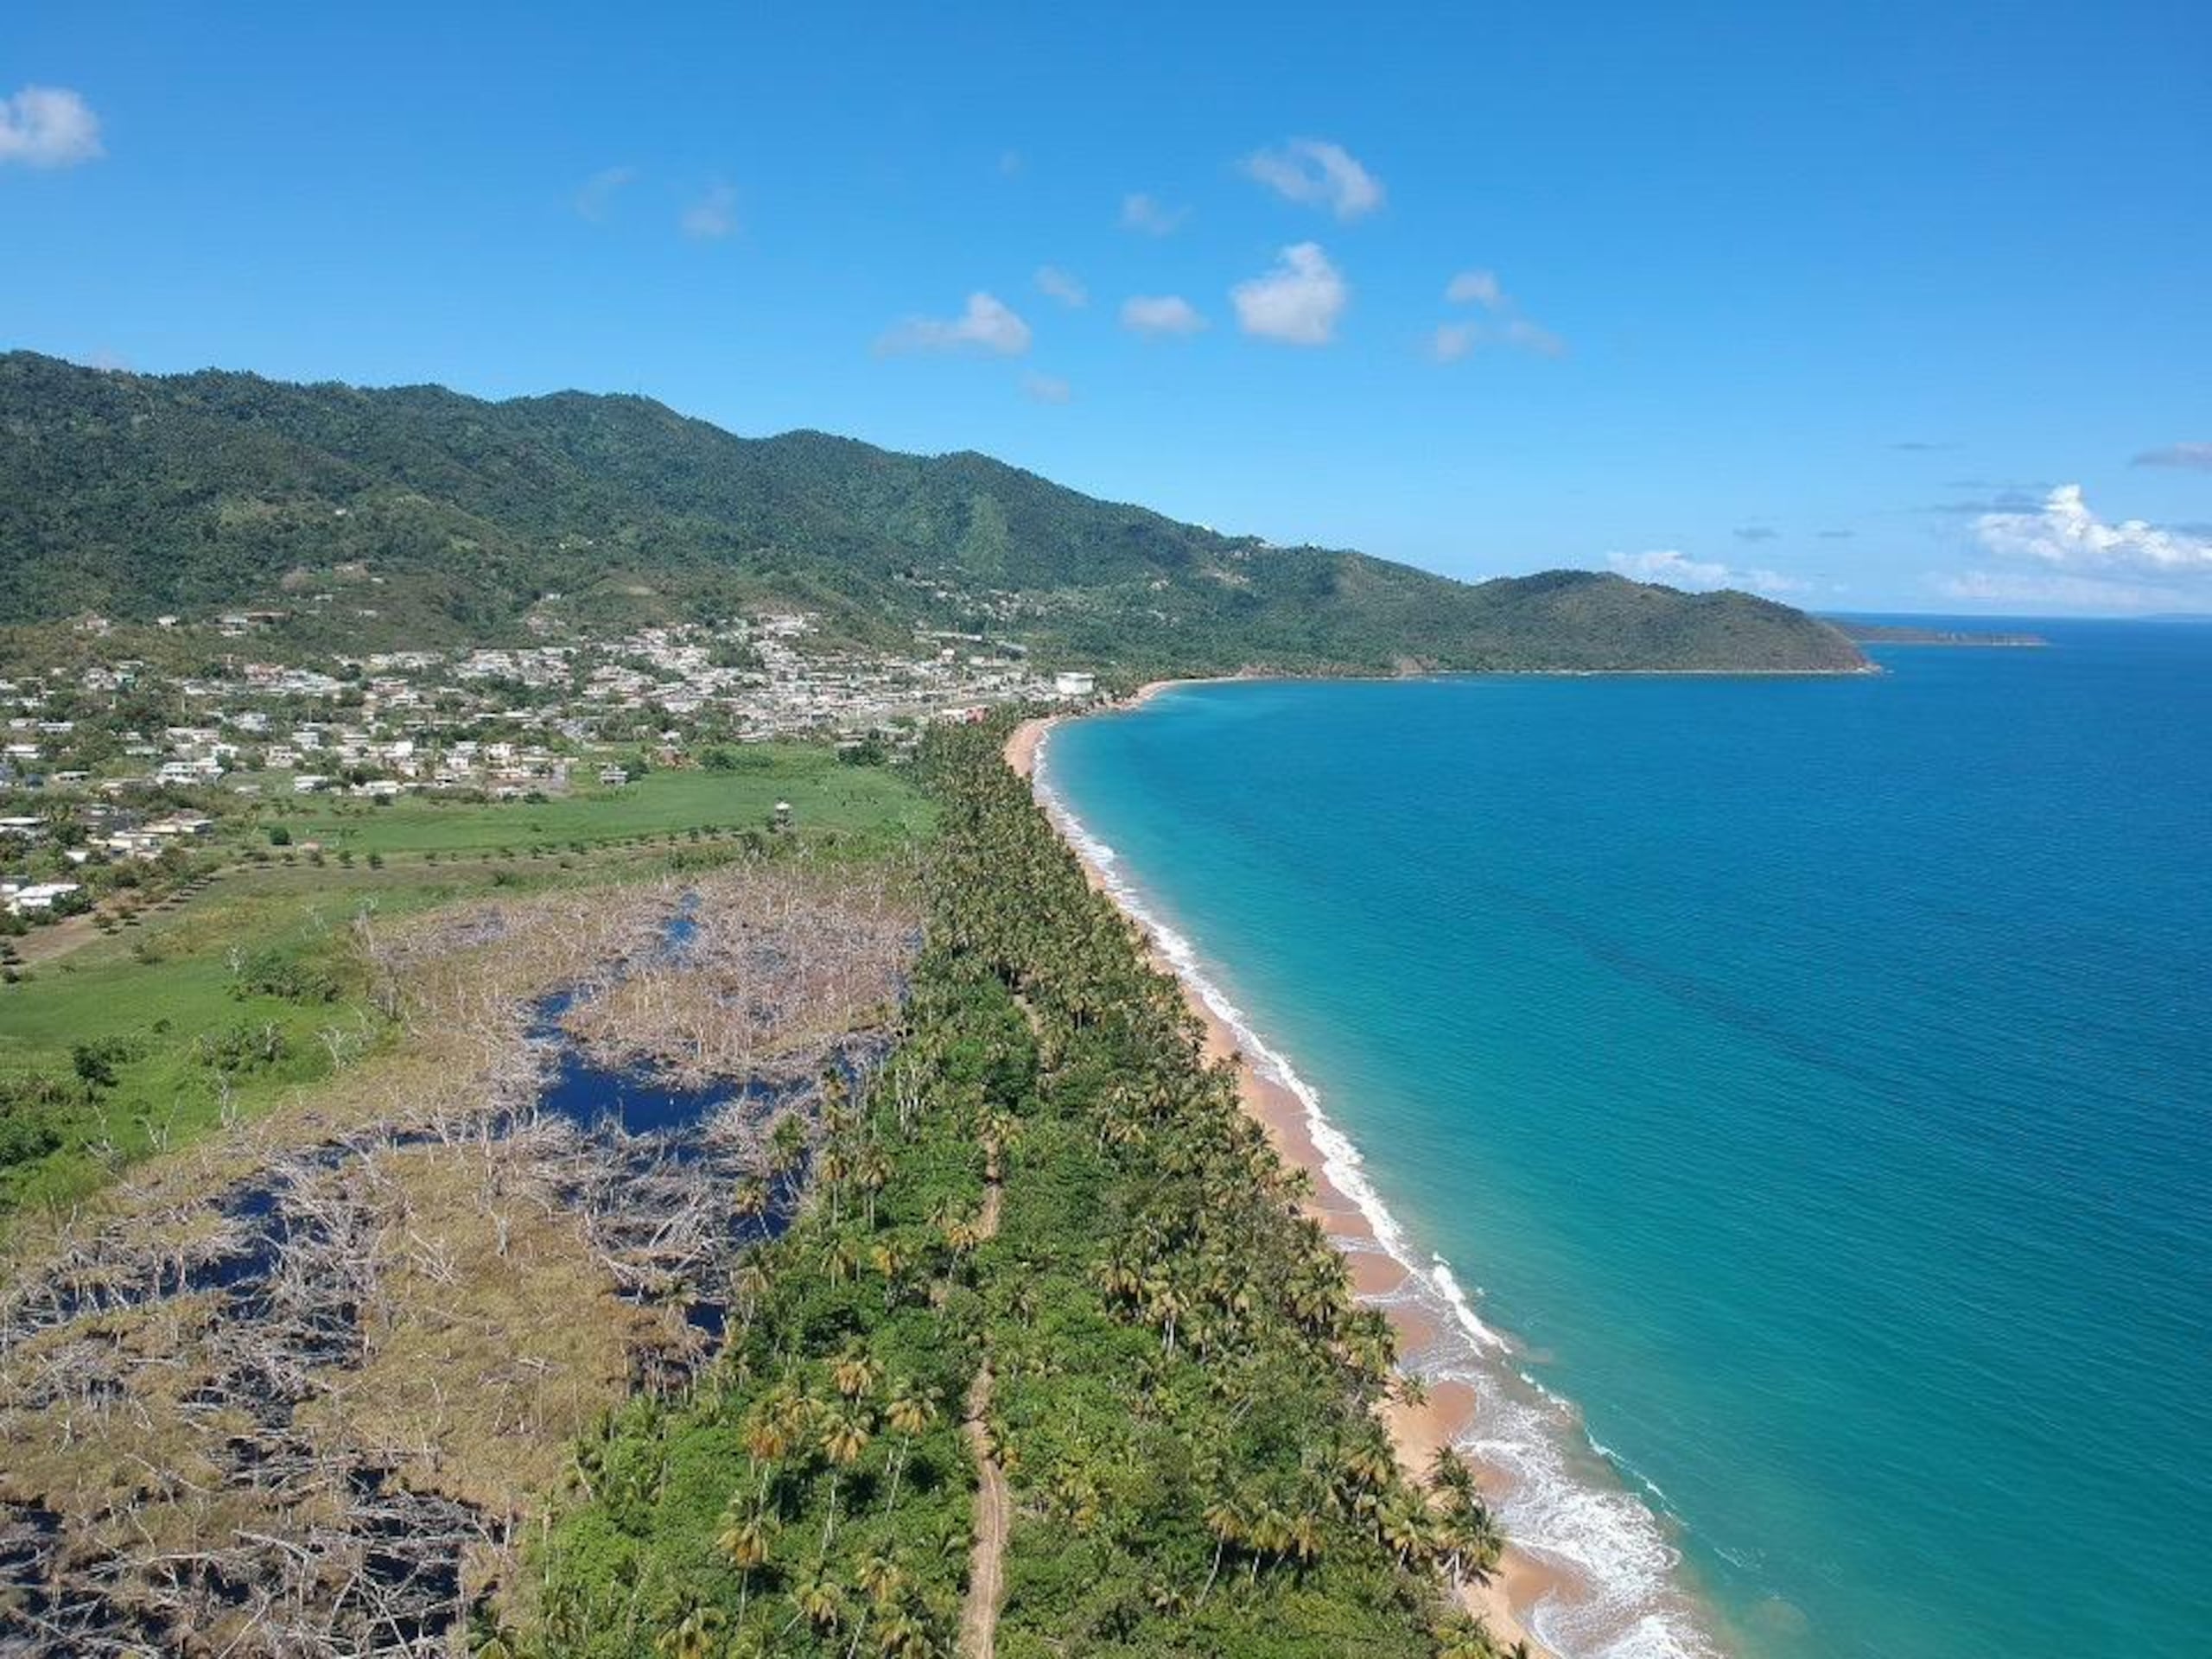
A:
x: 1876, y: 306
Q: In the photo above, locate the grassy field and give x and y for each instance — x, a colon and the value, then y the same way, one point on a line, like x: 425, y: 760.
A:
x: 177, y: 1035
x: 825, y: 796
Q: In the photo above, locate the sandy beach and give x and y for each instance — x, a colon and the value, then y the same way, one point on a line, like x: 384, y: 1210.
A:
x: 1416, y: 1431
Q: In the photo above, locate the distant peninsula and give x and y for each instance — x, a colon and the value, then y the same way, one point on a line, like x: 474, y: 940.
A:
x: 1891, y: 633
x: 341, y: 518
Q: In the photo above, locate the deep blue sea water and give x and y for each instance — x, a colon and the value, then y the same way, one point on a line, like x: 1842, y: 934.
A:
x: 1812, y: 1078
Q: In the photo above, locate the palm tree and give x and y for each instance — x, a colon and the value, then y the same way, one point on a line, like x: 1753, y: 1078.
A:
x: 1464, y: 1636
x: 1163, y: 1305
x: 1225, y: 1519
x: 961, y: 1235
x: 854, y: 1373
x: 909, y: 1411
x: 1120, y: 1278
x: 1448, y: 1471
x: 1268, y: 1532
x: 881, y: 1575
x: 872, y: 1171
x: 771, y: 1431
x: 1305, y: 1540
x: 819, y: 1601
x: 996, y: 1133
x: 905, y: 1637
x: 1470, y: 1536
x: 747, y: 1542
x: 751, y: 1199
x: 831, y: 1168
x: 786, y: 1144
x: 1369, y: 1469
x: 844, y: 1436
x: 1403, y: 1525
x: 695, y: 1638
x: 748, y: 1285
x: 1167, y: 1599
x: 890, y: 1260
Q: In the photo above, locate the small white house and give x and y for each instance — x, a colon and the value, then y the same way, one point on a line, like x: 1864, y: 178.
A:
x: 36, y: 895
x: 1073, y: 685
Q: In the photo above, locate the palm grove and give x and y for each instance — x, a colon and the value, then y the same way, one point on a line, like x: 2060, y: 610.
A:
x: 1052, y: 1363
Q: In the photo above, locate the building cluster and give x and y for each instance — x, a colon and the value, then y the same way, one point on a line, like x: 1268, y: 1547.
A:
x: 506, y: 721
x: 106, y: 767
x: 97, y: 833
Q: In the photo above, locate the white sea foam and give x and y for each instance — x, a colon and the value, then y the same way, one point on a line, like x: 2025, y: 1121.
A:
x: 1625, y: 1602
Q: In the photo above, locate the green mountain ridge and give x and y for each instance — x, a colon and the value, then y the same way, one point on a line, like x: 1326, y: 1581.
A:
x: 420, y: 515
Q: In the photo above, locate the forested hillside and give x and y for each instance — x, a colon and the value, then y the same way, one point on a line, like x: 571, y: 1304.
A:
x: 418, y: 515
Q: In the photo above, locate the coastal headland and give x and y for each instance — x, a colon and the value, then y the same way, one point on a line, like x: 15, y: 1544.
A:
x: 1418, y: 1430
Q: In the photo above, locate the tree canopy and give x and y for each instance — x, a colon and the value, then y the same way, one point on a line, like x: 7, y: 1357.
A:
x: 417, y: 514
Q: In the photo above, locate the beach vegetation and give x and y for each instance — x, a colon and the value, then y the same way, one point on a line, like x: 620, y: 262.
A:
x: 1052, y: 1360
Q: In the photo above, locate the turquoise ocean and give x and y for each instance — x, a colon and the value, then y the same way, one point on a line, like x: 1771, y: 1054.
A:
x: 1799, y: 1091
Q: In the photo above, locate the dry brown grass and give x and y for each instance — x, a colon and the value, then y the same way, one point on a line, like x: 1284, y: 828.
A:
x: 781, y: 965
x: 221, y: 1468
x: 499, y: 1336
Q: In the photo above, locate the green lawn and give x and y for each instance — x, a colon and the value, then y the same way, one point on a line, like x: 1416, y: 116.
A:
x: 875, y: 802
x: 167, y: 1015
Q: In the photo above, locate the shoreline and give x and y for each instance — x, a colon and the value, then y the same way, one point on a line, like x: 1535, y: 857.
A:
x: 1507, y: 1601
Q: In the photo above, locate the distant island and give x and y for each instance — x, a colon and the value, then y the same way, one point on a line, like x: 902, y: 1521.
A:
x: 338, y: 518
x: 1890, y: 633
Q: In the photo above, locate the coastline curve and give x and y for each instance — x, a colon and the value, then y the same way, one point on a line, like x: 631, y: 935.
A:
x: 1591, y: 1571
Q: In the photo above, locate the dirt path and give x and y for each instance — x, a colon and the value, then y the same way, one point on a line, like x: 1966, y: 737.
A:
x: 979, y: 1615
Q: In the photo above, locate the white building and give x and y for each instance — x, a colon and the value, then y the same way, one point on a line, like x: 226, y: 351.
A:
x: 36, y: 895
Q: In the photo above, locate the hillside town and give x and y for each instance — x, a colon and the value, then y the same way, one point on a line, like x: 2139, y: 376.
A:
x: 119, y: 763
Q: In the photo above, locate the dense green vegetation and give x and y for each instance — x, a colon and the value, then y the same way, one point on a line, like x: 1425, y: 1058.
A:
x: 418, y: 516
x: 1047, y: 1206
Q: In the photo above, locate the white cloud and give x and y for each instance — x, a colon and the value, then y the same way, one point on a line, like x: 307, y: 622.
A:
x: 712, y: 216
x: 2197, y: 456
x: 1526, y: 336
x: 1063, y: 286
x: 987, y: 325
x: 1297, y: 302
x: 2034, y: 588
x: 599, y: 191
x: 2064, y: 533
x: 48, y: 126
x: 1046, y: 388
x: 1314, y: 171
x: 1453, y: 341
x: 1475, y: 287
x: 1155, y: 314
x: 1677, y: 569
x: 1148, y: 216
